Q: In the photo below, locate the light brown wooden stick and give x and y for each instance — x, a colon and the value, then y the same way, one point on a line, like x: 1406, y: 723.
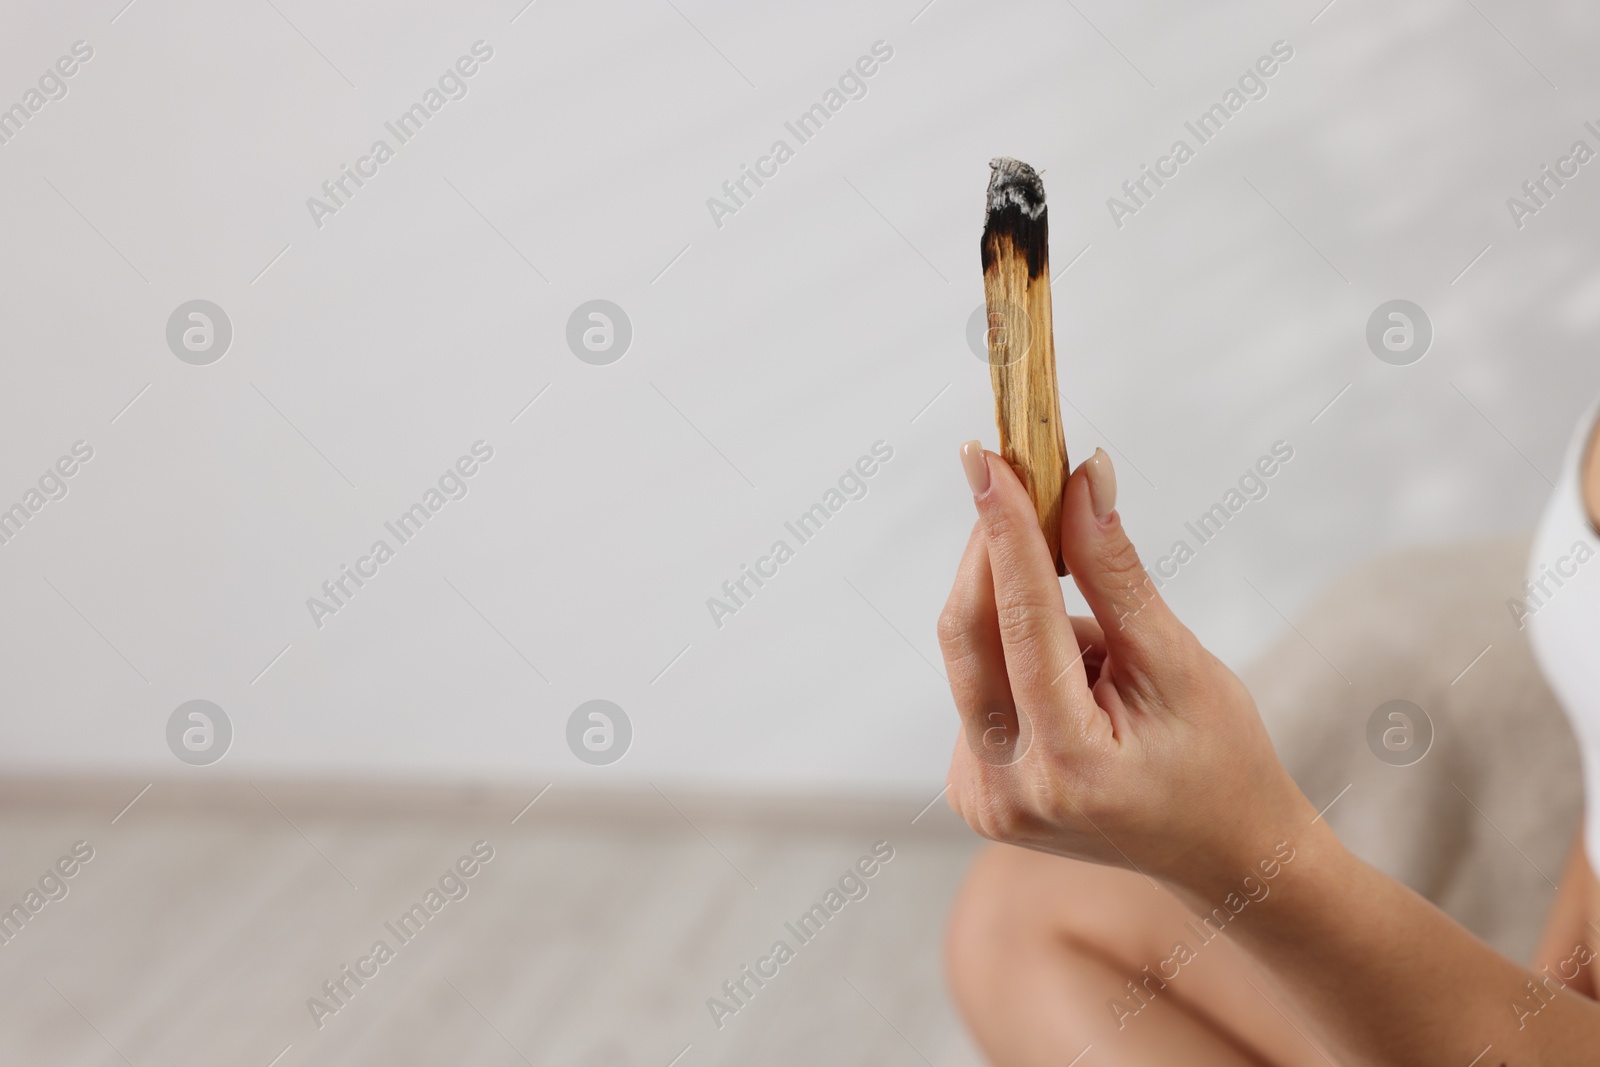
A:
x: 1022, y: 351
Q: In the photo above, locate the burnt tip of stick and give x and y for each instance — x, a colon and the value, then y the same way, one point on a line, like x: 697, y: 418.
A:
x: 1012, y: 183
x: 1016, y: 212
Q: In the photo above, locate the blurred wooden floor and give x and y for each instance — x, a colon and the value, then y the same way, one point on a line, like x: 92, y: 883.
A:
x: 209, y: 915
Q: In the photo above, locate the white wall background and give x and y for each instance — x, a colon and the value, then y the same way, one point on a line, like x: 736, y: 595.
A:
x: 827, y: 314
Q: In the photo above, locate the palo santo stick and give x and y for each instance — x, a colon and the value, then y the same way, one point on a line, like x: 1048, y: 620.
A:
x: 1022, y: 349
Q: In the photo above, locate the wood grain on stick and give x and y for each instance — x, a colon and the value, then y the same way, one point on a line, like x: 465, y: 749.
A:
x: 1022, y: 351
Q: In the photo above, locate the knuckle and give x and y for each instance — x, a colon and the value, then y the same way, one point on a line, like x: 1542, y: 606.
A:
x: 953, y: 629
x: 1119, y: 559
x: 952, y: 800
x: 989, y: 825
x: 998, y: 820
x: 997, y: 521
x: 1022, y: 617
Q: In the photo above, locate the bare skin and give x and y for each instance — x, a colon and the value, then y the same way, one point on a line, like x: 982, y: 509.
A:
x: 1081, y: 739
x: 1039, y: 946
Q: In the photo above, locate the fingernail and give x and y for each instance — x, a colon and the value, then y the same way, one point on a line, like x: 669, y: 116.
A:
x: 976, y: 466
x: 1102, y: 483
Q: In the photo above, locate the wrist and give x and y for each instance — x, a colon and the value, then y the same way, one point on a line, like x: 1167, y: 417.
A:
x: 1294, y: 848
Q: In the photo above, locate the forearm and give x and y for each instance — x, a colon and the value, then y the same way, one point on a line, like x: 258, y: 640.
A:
x: 1568, y: 921
x: 1381, y: 976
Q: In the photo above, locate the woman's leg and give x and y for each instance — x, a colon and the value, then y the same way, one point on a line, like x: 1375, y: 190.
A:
x: 1041, y: 951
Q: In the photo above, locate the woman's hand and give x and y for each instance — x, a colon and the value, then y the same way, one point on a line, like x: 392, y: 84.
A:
x: 1120, y: 740
x: 1116, y: 739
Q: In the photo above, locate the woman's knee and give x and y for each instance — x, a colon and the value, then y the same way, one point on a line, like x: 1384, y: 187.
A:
x: 987, y: 927
x: 1014, y: 904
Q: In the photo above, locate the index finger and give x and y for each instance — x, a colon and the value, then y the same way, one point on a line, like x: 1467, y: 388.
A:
x: 1042, y: 658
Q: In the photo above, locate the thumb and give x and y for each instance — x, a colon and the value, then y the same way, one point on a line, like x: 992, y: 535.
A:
x: 1140, y: 629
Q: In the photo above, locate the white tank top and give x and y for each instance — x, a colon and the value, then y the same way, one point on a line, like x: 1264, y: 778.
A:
x: 1560, y: 607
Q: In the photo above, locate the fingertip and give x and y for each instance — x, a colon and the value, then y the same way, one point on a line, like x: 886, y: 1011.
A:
x: 1076, y: 503
x: 975, y: 465
x: 1101, y: 477
x: 1105, y: 563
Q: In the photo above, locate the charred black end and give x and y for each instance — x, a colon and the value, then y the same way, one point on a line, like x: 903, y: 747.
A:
x: 1016, y: 212
x: 1029, y: 236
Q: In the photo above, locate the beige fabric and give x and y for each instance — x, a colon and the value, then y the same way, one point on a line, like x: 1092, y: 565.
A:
x: 1482, y: 824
